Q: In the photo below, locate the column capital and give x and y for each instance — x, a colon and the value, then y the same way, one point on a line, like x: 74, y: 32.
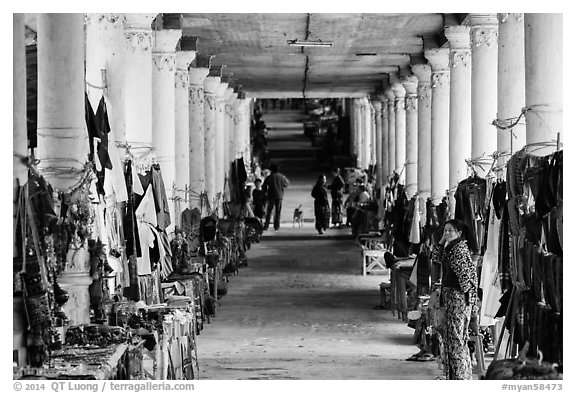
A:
x: 211, y: 84
x: 197, y: 76
x: 483, y: 30
x: 398, y: 90
x: 165, y: 40
x: 229, y: 95
x: 438, y: 59
x: 221, y: 90
x: 390, y: 96
x: 139, y: 21
x: 410, y: 84
x: 423, y: 72
x: 505, y: 17
x: 184, y: 59
x: 458, y: 37
x: 377, y: 104
x: 138, y: 31
x: 114, y: 19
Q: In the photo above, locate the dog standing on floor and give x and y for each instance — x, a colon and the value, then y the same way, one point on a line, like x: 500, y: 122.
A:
x: 298, y: 217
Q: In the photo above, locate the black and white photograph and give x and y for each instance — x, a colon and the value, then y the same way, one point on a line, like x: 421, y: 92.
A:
x: 287, y: 196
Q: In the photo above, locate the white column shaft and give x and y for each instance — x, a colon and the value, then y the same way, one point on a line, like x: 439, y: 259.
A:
x: 484, y: 41
x: 196, y: 123
x: 210, y: 85
x: 219, y: 141
x: 511, y: 72
x: 385, y: 164
x: 423, y: 72
x: 19, y: 126
x: 544, y: 80
x: 440, y: 112
x: 105, y: 50
x: 400, y: 141
x: 62, y: 137
x: 164, y: 110
x: 138, y: 78
x: 460, y: 105
x: 391, y: 132
x: 411, y: 86
x: 377, y: 113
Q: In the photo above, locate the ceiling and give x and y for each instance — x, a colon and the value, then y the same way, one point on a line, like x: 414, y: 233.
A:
x: 254, y: 48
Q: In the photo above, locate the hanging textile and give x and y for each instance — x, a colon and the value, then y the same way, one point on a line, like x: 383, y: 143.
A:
x: 160, y: 199
x: 146, y: 215
x: 414, y: 236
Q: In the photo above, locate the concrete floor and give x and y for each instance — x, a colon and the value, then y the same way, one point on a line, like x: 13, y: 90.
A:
x: 301, y: 310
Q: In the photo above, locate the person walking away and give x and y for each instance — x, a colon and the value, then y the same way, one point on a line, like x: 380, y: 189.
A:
x: 459, y: 296
x: 273, y: 187
x: 258, y: 199
x: 336, y: 192
x: 321, y: 206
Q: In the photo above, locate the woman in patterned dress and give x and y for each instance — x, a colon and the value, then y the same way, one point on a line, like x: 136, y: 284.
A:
x: 459, y: 295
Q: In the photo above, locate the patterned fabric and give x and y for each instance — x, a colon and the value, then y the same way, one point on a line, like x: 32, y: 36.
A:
x: 456, y: 355
x: 458, y: 268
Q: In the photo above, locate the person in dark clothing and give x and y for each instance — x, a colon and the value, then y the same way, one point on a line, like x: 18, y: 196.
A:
x: 258, y: 199
x: 273, y: 187
x: 321, y: 206
x: 336, y: 192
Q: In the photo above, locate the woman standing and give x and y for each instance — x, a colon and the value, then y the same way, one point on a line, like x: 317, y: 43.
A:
x: 458, y: 297
x: 336, y: 188
x: 321, y: 206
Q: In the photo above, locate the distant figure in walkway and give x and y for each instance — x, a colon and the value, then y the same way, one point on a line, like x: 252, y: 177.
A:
x: 259, y: 199
x: 336, y: 192
x: 273, y: 187
x: 321, y: 206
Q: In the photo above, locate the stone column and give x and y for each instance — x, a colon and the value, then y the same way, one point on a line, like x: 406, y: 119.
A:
x: 440, y: 84
x: 460, y: 106
x: 423, y: 72
x: 410, y: 84
x: 378, y: 139
x: 19, y: 126
x: 105, y: 50
x: 182, y: 140
x: 197, y: 75
x: 400, y: 141
x: 62, y: 138
x: 357, y: 132
x: 210, y: 87
x: 138, y: 78
x: 164, y: 109
x: 385, y: 166
x: 391, y: 131
x: 367, y: 125
x: 19, y: 170
x: 544, y: 80
x: 219, y: 166
x: 245, y: 129
x: 511, y: 92
x: 484, y: 42
x: 229, y: 151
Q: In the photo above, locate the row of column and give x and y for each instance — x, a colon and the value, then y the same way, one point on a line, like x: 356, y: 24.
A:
x: 430, y: 122
x: 160, y: 99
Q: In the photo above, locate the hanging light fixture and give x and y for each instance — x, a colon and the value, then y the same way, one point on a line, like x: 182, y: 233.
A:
x: 317, y: 43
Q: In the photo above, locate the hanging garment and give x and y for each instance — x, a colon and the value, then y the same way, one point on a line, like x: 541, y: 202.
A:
x: 103, y: 129
x: 114, y: 183
x: 491, y: 291
x: 130, y: 221
x: 146, y: 215
x: 160, y: 199
x: 190, y: 219
x: 414, y: 236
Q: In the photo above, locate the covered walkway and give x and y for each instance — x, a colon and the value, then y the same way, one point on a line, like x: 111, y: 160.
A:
x: 302, y: 309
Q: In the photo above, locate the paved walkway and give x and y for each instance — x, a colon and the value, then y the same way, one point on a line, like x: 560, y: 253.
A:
x: 302, y: 309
